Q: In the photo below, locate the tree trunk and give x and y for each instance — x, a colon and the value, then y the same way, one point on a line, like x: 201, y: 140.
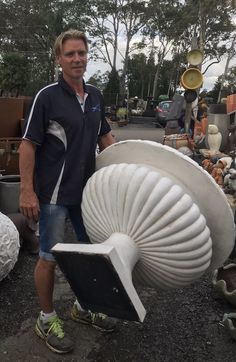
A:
x: 154, y: 90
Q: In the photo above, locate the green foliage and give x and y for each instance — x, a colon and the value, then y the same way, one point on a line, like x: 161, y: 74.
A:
x: 30, y: 27
x: 121, y: 113
x: 140, y: 74
x: 99, y: 80
x: 211, y: 22
x: 112, y: 89
x: 13, y: 73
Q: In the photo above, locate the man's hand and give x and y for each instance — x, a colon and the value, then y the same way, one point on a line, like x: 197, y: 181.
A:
x: 29, y: 205
x: 105, y: 141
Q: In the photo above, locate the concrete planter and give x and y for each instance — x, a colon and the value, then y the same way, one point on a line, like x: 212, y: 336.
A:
x: 9, y: 194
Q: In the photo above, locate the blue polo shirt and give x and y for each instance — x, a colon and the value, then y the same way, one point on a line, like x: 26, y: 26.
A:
x: 66, y: 136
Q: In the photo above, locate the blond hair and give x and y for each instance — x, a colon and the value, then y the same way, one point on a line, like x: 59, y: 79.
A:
x: 66, y: 35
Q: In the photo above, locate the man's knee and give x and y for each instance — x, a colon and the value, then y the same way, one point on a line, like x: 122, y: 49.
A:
x: 45, y: 264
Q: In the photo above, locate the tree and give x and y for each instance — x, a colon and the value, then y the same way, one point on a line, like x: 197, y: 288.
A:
x: 99, y: 80
x: 140, y: 74
x: 161, y: 21
x: 114, y: 21
x: 230, y: 80
x: 212, y: 23
x: 228, y: 88
x: 13, y: 73
x: 231, y: 53
x: 133, y: 15
x: 112, y: 89
x: 30, y: 28
x: 215, y: 91
x: 138, y: 68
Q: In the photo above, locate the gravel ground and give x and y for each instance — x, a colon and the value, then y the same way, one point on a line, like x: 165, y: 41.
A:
x: 180, y: 324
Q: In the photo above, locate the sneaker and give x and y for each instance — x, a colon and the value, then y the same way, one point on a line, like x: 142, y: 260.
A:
x: 97, y: 320
x: 54, y: 336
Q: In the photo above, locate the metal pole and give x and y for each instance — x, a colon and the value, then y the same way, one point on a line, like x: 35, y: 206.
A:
x: 187, y: 119
x: 188, y: 110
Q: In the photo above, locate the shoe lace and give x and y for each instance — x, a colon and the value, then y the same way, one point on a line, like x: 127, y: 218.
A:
x: 56, y: 326
x: 95, y: 316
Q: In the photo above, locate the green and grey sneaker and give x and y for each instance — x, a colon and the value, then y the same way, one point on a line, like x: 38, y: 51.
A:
x: 54, y: 336
x: 97, y: 320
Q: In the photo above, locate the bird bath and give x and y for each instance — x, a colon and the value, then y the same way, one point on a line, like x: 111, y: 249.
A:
x: 154, y: 217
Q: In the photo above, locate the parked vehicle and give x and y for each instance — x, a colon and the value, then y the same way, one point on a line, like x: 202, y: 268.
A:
x: 150, y: 107
x: 162, y: 111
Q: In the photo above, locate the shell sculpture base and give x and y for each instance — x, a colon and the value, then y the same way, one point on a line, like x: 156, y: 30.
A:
x: 9, y: 245
x: 148, y: 203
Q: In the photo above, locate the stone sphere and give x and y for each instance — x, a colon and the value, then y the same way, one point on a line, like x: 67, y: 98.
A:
x: 9, y: 245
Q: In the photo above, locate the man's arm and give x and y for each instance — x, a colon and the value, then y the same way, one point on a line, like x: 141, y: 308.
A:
x: 105, y: 141
x: 29, y: 204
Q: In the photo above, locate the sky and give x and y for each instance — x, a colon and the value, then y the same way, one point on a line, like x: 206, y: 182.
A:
x: 215, y: 71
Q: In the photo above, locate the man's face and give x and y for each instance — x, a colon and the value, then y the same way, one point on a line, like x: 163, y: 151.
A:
x: 73, y: 59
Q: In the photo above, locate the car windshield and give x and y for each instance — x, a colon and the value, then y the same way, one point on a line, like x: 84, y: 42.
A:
x: 165, y: 106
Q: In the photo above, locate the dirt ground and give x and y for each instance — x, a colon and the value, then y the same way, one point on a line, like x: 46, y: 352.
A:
x: 181, y: 325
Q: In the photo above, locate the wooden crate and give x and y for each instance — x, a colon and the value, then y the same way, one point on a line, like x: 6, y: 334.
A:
x: 11, y: 111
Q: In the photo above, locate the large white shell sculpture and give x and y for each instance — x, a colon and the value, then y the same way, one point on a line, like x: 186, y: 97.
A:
x: 9, y: 245
x: 173, y: 241
x: 166, y: 216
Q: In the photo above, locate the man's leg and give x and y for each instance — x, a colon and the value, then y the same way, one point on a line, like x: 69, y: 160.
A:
x: 51, y: 231
x: 76, y: 219
x: 49, y: 326
x: 44, y: 282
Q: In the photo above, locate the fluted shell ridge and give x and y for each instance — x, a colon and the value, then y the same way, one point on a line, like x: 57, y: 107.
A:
x: 173, y: 239
x: 9, y: 245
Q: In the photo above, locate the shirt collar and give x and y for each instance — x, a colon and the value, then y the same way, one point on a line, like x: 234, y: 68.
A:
x: 66, y: 86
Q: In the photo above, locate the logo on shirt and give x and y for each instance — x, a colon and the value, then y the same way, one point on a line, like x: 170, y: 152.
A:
x: 96, y: 108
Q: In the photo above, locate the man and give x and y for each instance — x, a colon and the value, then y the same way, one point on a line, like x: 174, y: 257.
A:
x: 57, y: 156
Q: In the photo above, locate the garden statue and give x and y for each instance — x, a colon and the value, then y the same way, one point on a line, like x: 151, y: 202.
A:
x: 214, y: 138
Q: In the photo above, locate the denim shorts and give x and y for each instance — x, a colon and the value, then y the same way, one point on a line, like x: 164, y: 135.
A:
x: 52, y: 222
